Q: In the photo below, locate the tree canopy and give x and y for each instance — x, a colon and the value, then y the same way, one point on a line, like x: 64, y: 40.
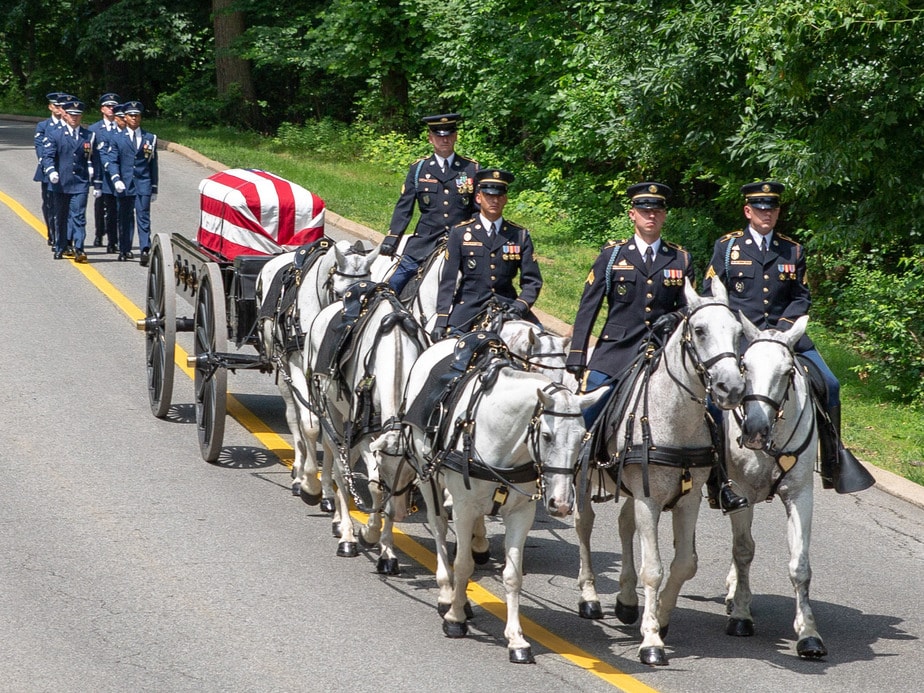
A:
x: 579, y: 97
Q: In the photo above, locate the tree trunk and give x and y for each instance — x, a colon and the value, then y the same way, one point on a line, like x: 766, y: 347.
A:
x: 230, y: 70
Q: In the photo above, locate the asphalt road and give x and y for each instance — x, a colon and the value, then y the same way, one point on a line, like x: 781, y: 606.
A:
x: 129, y: 564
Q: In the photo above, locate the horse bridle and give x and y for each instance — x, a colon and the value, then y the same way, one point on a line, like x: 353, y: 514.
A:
x: 701, y: 367
x: 531, y: 355
x: 778, y: 453
x: 328, y: 285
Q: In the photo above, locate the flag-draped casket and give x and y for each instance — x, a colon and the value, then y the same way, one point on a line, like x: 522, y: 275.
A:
x: 253, y: 212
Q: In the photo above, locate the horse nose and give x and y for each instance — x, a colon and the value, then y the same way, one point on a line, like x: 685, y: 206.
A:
x: 756, y: 425
x: 559, y: 508
x: 730, y: 393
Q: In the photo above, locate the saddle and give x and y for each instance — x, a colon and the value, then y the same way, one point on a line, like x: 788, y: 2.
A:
x: 358, y: 302
x: 473, y: 354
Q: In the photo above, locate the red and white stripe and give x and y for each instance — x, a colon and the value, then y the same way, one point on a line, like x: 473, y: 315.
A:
x: 253, y: 212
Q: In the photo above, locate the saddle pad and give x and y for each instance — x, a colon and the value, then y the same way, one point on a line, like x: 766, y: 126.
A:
x: 425, y: 409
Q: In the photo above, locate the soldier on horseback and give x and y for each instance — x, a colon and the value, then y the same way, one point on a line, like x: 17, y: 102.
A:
x: 764, y: 272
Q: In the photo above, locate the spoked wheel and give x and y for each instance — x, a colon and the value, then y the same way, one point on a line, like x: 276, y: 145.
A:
x: 211, y: 380
x: 159, y: 325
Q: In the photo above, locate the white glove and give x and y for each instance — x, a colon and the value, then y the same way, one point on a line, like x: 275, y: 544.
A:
x: 53, y: 177
x: 97, y: 193
x: 153, y: 197
x: 119, y: 186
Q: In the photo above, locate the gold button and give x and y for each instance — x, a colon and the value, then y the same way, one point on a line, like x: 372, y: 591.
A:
x: 493, y: 266
x: 766, y: 290
x: 493, y: 279
x: 650, y: 281
x: 647, y: 309
x: 766, y: 276
x: 647, y: 323
x: 649, y: 295
x: 766, y: 302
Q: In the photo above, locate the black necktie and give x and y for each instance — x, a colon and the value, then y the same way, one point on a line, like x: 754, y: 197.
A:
x: 494, y: 228
x: 648, y: 257
x: 763, y: 245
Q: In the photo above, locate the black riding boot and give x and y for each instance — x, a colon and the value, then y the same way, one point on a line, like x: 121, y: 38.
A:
x: 718, y: 486
x: 840, y: 470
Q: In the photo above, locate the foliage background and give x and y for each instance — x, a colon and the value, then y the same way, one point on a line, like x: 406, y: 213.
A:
x: 579, y: 99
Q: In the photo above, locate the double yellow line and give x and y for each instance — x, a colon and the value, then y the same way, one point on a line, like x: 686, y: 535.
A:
x: 276, y: 444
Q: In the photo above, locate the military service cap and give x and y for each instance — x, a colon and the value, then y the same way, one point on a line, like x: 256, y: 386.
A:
x: 649, y: 195
x: 493, y: 181
x: 109, y: 99
x: 444, y: 124
x: 764, y: 194
x: 133, y: 107
x: 74, y: 107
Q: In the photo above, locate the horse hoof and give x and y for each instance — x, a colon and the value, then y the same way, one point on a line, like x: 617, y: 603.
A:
x: 590, y: 610
x: 365, y: 542
x: 739, y: 627
x: 327, y: 505
x: 481, y: 557
x: 626, y: 614
x: 309, y: 498
x: 811, y: 648
x: 455, y: 630
x: 296, y: 488
x: 387, y: 566
x: 522, y: 655
x: 335, y: 530
x: 347, y: 549
x: 652, y: 656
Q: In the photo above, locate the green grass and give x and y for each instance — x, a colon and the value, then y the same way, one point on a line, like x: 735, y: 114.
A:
x: 877, y: 427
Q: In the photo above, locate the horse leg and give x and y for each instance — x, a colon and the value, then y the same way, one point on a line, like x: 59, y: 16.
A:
x: 328, y: 491
x: 481, y: 547
x: 343, y: 523
x: 684, y: 565
x: 371, y: 533
x: 809, y: 644
x: 516, y: 525
x: 627, y: 598
x: 432, y: 493
x: 464, y: 517
x: 589, y: 602
x: 738, y: 600
x: 306, y: 429
x: 647, y: 514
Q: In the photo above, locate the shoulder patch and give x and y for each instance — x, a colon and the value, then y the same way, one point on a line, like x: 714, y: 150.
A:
x: 734, y: 234
x: 675, y: 246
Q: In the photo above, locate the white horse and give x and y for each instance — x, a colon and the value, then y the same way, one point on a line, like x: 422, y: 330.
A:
x: 542, y: 351
x: 661, y: 451
x: 283, y: 336
x: 780, y: 445
x: 512, y: 437
x: 359, y: 395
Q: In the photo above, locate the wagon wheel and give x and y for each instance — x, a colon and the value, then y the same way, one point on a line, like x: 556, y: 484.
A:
x: 211, y: 379
x: 160, y: 325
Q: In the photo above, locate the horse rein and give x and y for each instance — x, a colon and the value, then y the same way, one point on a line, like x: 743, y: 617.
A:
x: 701, y: 367
x: 779, y: 453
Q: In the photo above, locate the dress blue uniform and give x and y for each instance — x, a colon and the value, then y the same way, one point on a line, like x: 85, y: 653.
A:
x: 769, y: 288
x: 486, y: 265
x: 66, y: 161
x: 444, y: 198
x: 131, y: 159
x: 104, y: 205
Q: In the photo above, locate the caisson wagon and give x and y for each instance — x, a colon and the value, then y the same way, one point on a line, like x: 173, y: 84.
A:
x: 247, y: 216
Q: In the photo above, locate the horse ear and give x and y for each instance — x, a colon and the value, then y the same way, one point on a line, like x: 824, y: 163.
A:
x: 370, y: 258
x: 794, y: 334
x: 750, y: 329
x: 719, y: 292
x: 531, y: 338
x: 339, y: 254
x: 693, y: 298
x: 589, y: 399
x: 546, y: 400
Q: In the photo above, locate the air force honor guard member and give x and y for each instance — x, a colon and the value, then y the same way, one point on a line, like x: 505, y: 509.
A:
x: 66, y: 161
x: 442, y: 186
x: 486, y: 253
x: 131, y: 164
x: 42, y: 128
x: 104, y: 201
x: 764, y: 272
